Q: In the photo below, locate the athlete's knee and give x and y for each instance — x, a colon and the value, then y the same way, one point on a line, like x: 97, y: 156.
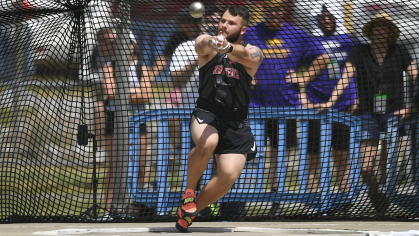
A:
x: 229, y: 180
x: 207, y: 145
x: 205, y: 149
x: 229, y: 176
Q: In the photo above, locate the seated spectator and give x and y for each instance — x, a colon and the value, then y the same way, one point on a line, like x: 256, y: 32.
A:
x: 181, y: 28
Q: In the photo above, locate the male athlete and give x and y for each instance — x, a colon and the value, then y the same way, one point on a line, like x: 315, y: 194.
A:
x: 219, y: 121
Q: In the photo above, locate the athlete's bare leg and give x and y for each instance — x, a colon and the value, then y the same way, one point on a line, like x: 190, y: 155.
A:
x: 229, y: 167
x: 205, y: 138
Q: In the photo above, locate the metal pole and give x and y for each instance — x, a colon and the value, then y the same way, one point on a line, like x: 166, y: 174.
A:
x: 121, y: 147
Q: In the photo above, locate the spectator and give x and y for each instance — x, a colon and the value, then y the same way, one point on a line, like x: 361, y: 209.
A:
x: 329, y: 30
x: 157, y: 50
x: 219, y: 121
x: 140, y: 92
x: 184, y: 28
x: 285, y: 48
x: 378, y: 67
x: 187, y: 30
x: 103, y: 53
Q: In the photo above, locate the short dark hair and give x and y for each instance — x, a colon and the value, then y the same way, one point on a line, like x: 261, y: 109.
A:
x: 240, y: 11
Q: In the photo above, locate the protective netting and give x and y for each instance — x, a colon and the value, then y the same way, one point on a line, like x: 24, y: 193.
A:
x: 96, y: 101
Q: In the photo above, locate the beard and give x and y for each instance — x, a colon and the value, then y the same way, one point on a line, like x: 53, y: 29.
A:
x: 233, y: 37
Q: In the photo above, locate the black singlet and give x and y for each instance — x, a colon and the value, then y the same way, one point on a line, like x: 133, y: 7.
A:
x: 224, y: 83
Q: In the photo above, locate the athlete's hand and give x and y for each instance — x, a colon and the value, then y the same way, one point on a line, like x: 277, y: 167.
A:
x: 218, y: 42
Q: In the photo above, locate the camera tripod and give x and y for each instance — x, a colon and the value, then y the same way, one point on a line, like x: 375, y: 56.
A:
x: 92, y: 211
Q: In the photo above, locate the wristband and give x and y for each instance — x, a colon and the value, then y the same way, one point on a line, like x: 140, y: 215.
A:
x: 231, y: 49
x: 227, y: 46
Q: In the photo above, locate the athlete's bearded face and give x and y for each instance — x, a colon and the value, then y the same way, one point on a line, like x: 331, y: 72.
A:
x: 232, y: 27
x: 233, y: 36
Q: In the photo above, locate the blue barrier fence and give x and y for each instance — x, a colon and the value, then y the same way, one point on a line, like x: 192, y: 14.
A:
x: 251, y: 185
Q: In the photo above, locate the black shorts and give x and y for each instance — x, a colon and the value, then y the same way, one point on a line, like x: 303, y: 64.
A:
x: 110, y: 124
x: 340, y: 136
x: 235, y: 136
x: 271, y: 128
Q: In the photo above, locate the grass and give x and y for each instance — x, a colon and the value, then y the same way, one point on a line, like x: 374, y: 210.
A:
x: 46, y: 190
x: 56, y: 190
x: 50, y: 191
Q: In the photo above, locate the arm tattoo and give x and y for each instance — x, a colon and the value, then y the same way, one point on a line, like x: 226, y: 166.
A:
x: 239, y: 56
x: 256, y: 53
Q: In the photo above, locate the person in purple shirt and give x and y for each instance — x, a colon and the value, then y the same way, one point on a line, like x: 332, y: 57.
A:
x: 285, y: 48
x: 328, y: 28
